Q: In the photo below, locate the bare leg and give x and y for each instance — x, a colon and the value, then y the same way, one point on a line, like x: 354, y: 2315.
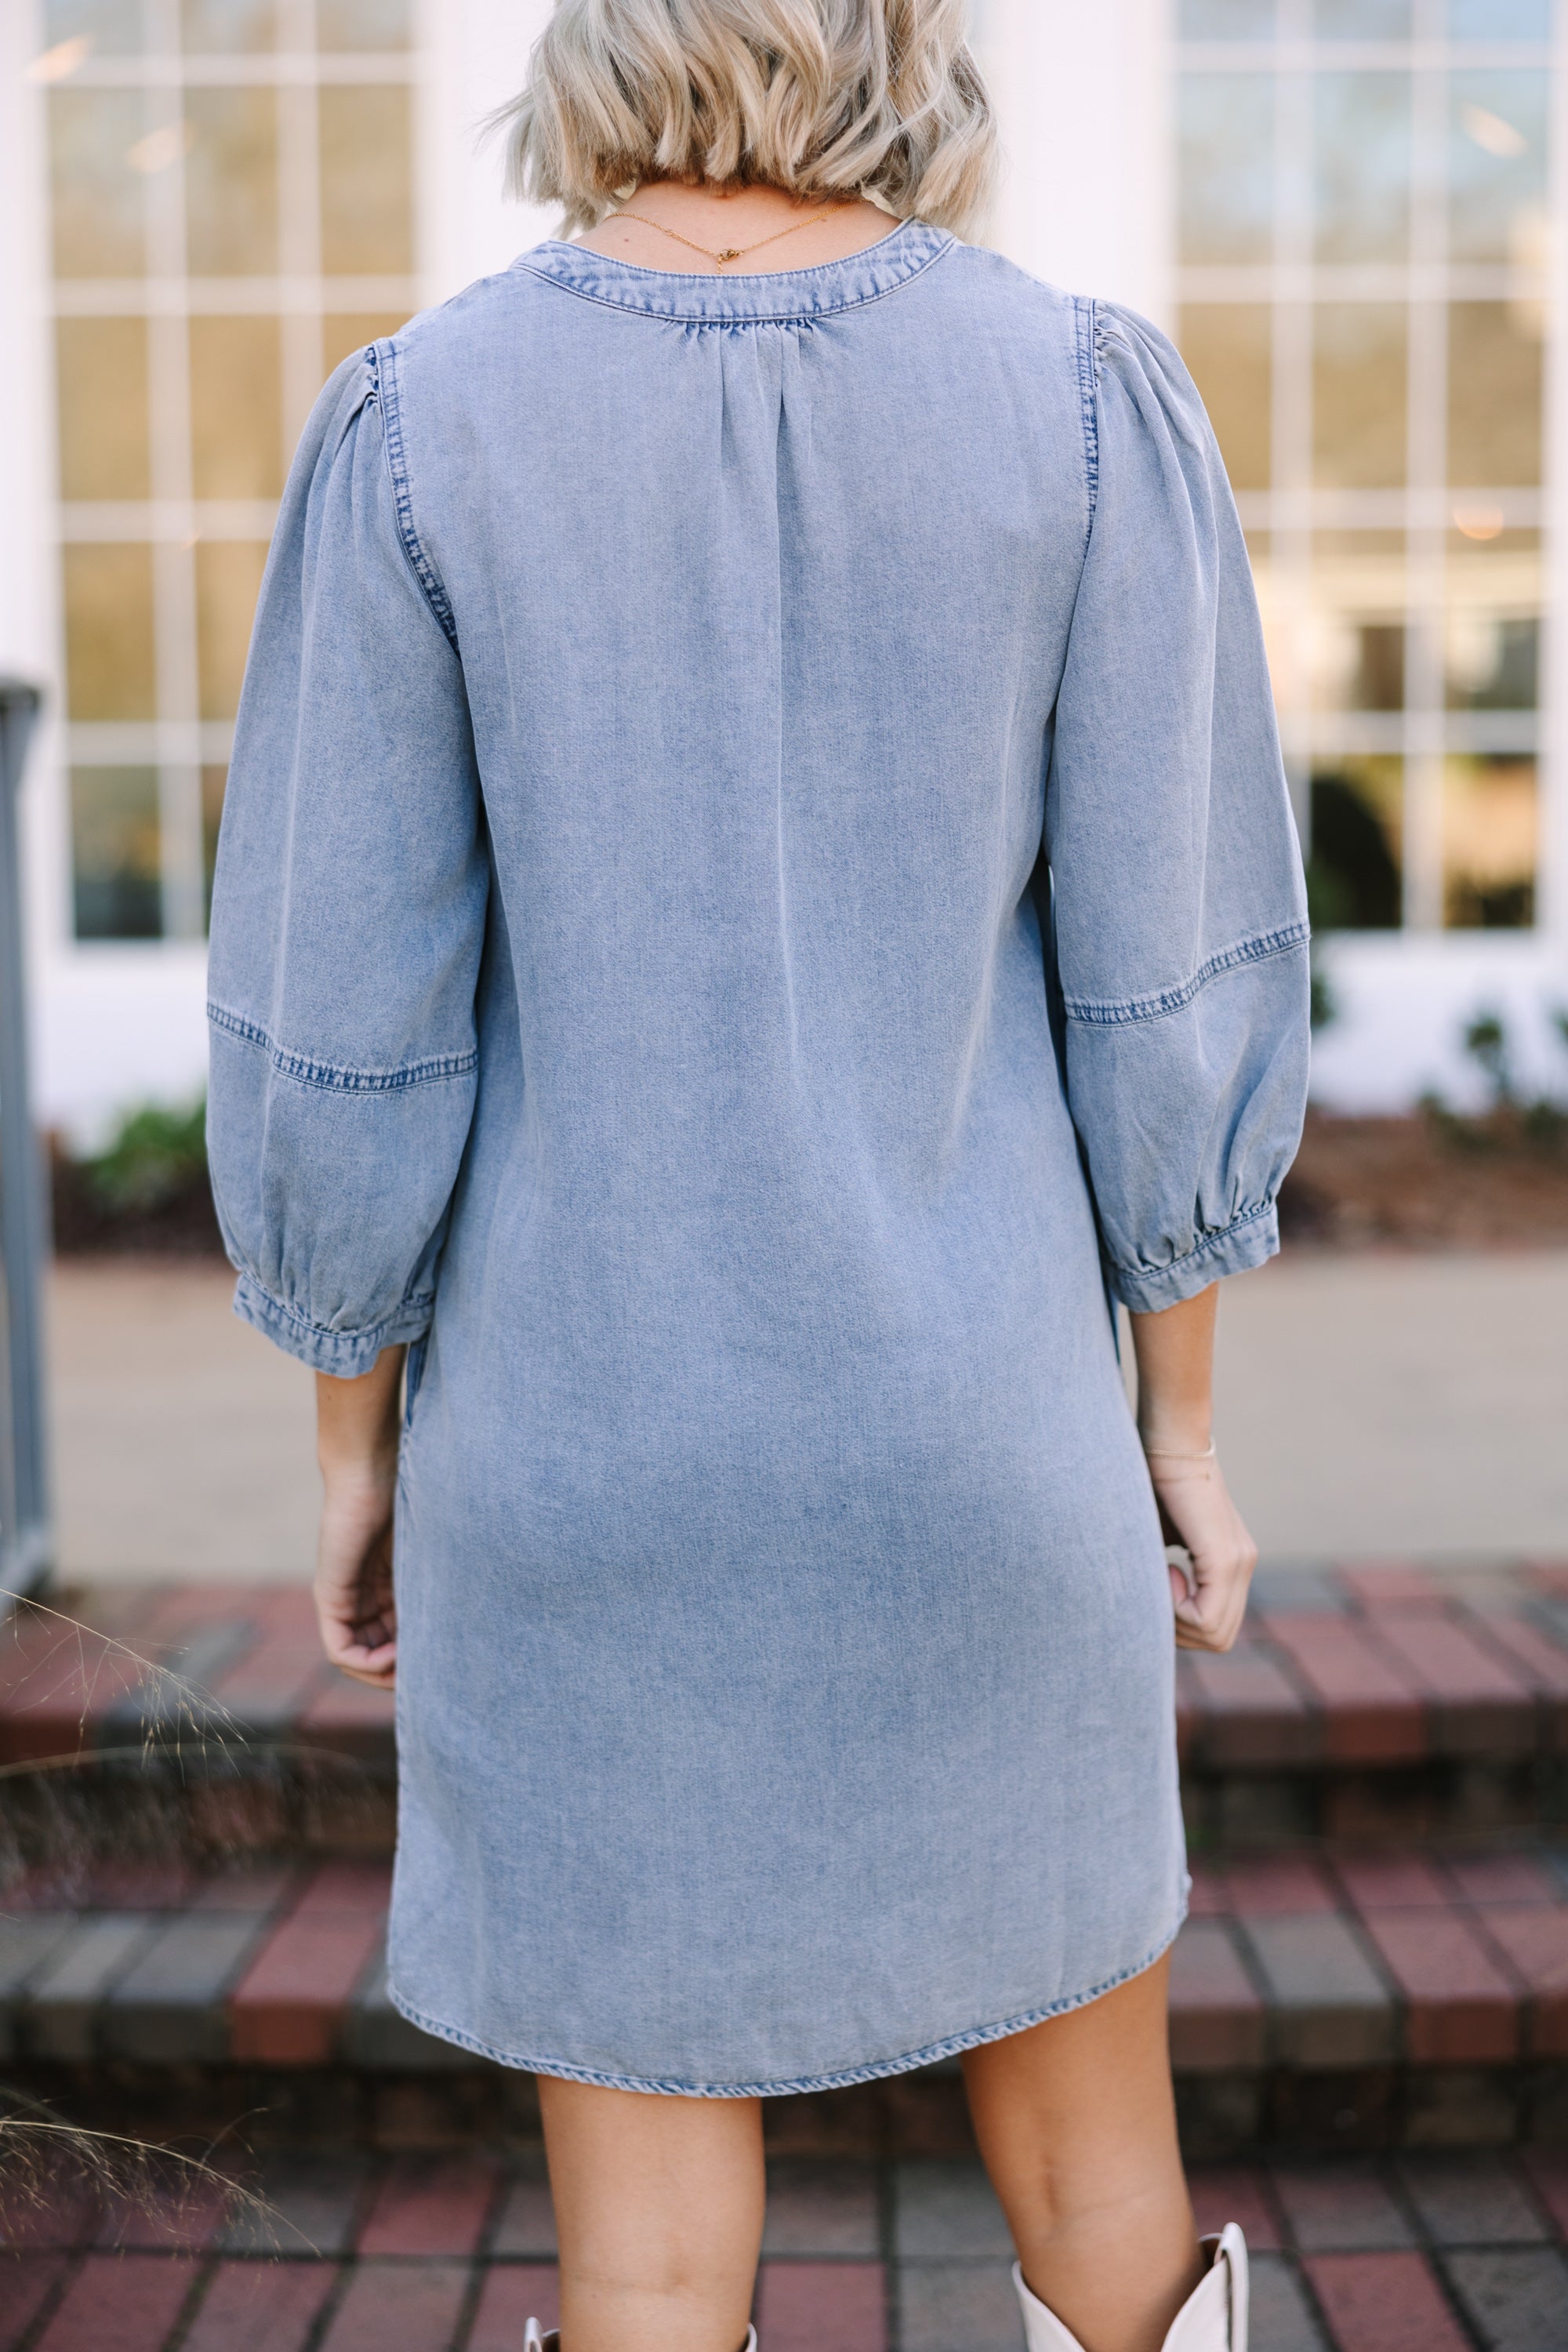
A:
x: 659, y: 2207
x: 1076, y: 2120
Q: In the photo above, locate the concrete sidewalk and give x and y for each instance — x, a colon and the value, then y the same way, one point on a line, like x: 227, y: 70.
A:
x: 1369, y: 1405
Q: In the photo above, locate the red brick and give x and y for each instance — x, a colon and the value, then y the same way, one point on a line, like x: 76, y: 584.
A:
x: 346, y: 1890
x: 1548, y: 2172
x: 1543, y: 1663
x: 274, y: 1681
x: 286, y: 2008
x: 1462, y: 2008
x: 1392, y: 1882
x: 1508, y: 1878
x: 1371, y: 1710
x: 1480, y: 1706
x: 512, y: 2294
x: 1216, y: 2013
x: 1249, y: 1711
x: 822, y: 2307
x: 1209, y: 1898
x: 413, y: 2305
x: 56, y: 1677
x: 430, y: 2206
x: 170, y: 2216
x: 1239, y: 2193
x: 1383, y: 2302
x: 1381, y: 1585
x: 351, y: 1717
x: 120, y: 2302
x: 26, y: 2283
x: 260, y: 2307
x: 1277, y: 1886
x: 1535, y: 1943
x: 1547, y: 1575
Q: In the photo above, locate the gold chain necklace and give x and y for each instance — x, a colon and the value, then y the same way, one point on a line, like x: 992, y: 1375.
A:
x: 729, y: 252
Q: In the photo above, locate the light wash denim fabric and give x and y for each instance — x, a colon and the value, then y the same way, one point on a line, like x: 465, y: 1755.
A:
x: 628, y: 985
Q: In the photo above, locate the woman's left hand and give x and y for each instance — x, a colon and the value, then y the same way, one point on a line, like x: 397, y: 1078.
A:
x: 1196, y: 1512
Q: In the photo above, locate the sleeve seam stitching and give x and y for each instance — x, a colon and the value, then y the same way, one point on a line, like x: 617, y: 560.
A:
x: 1110, y: 1014
x: 1085, y: 322
x: 382, y: 362
x: 333, y: 1077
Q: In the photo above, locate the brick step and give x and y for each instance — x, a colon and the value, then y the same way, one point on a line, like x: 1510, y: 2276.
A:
x: 1384, y: 1702
x: 453, y: 2253
x: 1367, y: 2001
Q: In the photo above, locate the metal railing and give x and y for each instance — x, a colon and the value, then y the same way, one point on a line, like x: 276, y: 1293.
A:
x: 25, y: 1531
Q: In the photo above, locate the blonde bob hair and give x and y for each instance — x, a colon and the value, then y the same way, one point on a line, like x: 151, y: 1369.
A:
x: 823, y: 98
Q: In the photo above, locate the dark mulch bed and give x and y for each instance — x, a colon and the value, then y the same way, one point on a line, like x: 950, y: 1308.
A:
x: 180, y: 1224
x: 1426, y: 1182
x: 1420, y: 1182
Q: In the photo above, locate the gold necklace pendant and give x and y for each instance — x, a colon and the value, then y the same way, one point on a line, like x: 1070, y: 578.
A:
x: 730, y: 253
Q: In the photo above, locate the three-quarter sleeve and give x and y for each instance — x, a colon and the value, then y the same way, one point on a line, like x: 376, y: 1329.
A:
x: 1181, y: 924
x: 348, y: 915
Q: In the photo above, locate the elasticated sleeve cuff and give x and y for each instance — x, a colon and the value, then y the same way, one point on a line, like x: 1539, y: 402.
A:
x: 1248, y: 1241
x: 344, y: 1354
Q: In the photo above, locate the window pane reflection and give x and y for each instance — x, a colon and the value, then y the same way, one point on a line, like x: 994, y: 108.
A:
x: 361, y: 24
x: 113, y: 27
x: 1358, y: 396
x: 1357, y: 633
x: 236, y: 408
x: 229, y: 580
x: 231, y: 183
x: 220, y: 25
x: 116, y: 854
x: 1491, y: 635
x: 1489, y: 826
x: 1227, y: 346
x: 109, y: 632
x: 96, y: 194
x: 1226, y: 167
x: 1362, y: 20
x: 1497, y: 168
x: 1494, y: 393
x: 367, y: 221
x: 101, y: 407
x: 1363, y: 138
x: 1500, y: 20
x: 1354, y: 870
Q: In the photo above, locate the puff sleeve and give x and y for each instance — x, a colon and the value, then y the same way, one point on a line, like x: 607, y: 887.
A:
x: 1180, y: 910
x: 349, y: 911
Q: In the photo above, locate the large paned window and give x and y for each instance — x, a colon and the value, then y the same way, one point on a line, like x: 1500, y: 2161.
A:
x: 1362, y: 230
x: 232, y: 213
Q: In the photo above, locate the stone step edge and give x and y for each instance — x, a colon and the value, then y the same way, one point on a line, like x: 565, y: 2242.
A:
x: 1366, y: 1669
x: 1372, y: 1962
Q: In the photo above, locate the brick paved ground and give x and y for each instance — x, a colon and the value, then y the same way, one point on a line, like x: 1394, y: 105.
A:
x: 1435, y: 2253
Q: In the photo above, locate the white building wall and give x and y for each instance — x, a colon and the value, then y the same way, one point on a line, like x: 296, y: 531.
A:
x: 1083, y: 96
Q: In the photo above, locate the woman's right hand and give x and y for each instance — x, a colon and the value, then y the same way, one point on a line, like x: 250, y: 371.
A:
x: 1198, y: 1513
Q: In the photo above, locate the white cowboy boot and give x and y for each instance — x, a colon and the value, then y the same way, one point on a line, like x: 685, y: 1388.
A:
x: 534, y: 2341
x: 1212, y: 2319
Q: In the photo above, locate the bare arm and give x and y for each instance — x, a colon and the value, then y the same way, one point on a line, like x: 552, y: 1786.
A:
x: 356, y: 1446
x: 1175, y: 1401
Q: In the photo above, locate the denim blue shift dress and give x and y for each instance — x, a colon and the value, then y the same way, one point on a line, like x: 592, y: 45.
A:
x: 668, y: 693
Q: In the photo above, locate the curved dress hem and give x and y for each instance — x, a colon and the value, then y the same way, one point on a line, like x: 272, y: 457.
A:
x: 840, y: 2079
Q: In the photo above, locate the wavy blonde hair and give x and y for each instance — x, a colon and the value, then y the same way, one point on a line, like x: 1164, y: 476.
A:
x: 824, y: 98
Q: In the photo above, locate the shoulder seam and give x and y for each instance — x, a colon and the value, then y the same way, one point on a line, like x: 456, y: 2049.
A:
x: 1113, y: 1012
x: 383, y: 364
x: 1086, y: 326
x: 335, y: 1077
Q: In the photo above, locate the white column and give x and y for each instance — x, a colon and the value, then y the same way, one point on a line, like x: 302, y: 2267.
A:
x: 479, y: 52
x: 1082, y: 95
